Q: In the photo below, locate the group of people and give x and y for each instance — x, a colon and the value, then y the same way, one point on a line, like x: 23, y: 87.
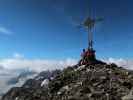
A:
x: 86, y: 56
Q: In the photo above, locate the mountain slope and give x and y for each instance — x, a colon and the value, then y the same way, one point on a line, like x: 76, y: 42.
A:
x: 86, y: 82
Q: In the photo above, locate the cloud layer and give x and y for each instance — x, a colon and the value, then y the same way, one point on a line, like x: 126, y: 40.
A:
x: 35, y: 64
x: 126, y: 63
x: 19, y: 62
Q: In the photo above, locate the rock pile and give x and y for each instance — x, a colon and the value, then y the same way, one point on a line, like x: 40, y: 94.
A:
x: 86, y: 82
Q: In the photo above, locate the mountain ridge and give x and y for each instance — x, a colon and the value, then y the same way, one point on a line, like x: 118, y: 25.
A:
x: 85, y: 82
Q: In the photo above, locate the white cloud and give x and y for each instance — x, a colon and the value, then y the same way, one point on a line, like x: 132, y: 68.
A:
x: 19, y: 62
x: 126, y: 63
x: 5, y: 31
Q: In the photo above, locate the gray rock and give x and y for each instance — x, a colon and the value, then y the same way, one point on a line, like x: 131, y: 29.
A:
x: 89, y: 82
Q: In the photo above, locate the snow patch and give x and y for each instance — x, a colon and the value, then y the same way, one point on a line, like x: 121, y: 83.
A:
x: 45, y: 83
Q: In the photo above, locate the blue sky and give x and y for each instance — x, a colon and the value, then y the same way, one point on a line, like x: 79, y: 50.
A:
x: 48, y: 28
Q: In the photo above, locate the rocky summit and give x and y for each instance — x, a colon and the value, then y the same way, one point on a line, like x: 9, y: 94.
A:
x: 85, y: 82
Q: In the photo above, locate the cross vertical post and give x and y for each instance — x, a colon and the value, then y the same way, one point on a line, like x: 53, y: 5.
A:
x: 90, y: 39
